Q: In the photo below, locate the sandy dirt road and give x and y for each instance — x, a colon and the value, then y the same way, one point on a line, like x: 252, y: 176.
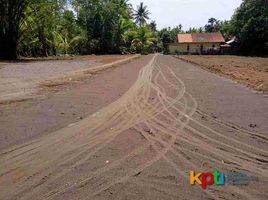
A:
x: 141, y: 146
x: 19, y: 80
x: 57, y: 107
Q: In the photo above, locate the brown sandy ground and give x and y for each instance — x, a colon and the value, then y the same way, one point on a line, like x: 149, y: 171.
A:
x: 143, y: 145
x: 251, y: 71
x: 98, y: 58
x: 58, y: 106
x: 19, y: 80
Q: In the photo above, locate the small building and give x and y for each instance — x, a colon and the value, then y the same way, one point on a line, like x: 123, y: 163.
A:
x: 231, y: 46
x: 197, y: 43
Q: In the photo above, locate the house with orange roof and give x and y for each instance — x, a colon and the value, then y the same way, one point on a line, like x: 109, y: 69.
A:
x: 197, y: 43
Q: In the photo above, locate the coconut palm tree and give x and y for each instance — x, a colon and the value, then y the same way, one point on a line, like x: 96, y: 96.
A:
x: 141, y: 14
x: 153, y: 26
x: 144, y: 40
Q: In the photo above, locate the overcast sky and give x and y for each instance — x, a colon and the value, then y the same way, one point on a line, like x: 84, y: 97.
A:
x: 189, y: 13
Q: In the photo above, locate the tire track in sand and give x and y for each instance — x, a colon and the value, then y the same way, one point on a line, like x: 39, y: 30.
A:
x: 159, y: 108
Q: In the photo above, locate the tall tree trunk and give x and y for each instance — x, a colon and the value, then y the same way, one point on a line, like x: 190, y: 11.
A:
x: 42, y: 39
x: 11, y: 12
x: 8, y: 46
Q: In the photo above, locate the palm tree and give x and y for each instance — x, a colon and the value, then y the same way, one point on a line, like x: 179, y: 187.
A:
x: 141, y: 14
x: 153, y: 26
x: 144, y: 40
x: 125, y: 8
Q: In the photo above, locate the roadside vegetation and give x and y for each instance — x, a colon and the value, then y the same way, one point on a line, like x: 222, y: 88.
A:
x: 34, y: 28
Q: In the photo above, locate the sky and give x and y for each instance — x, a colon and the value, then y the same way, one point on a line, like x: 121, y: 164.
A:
x: 189, y: 13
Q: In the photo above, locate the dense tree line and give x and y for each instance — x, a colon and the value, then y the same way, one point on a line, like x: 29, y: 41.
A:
x: 54, y: 27
x: 250, y: 25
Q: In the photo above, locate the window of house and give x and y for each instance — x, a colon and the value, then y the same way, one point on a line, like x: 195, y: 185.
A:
x: 213, y: 45
x: 188, y: 47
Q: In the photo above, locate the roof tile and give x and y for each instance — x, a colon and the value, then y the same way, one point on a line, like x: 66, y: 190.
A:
x: 200, y: 38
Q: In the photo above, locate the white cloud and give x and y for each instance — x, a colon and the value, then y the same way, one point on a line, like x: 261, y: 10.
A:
x: 189, y: 13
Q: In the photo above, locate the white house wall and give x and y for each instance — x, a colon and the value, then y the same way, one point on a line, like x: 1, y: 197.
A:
x: 193, y: 48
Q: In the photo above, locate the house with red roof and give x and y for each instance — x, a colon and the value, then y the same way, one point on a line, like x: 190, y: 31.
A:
x: 197, y: 43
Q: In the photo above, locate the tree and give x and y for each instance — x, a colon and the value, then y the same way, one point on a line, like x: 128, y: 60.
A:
x: 152, y: 25
x: 212, y: 26
x: 143, y: 41
x: 122, y: 41
x: 46, y: 29
x: 105, y: 23
x: 141, y: 14
x: 11, y: 13
x: 200, y: 30
x: 54, y: 27
x: 225, y: 29
x: 250, y: 25
x: 165, y: 37
x: 125, y: 8
x: 193, y: 30
x: 174, y: 32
